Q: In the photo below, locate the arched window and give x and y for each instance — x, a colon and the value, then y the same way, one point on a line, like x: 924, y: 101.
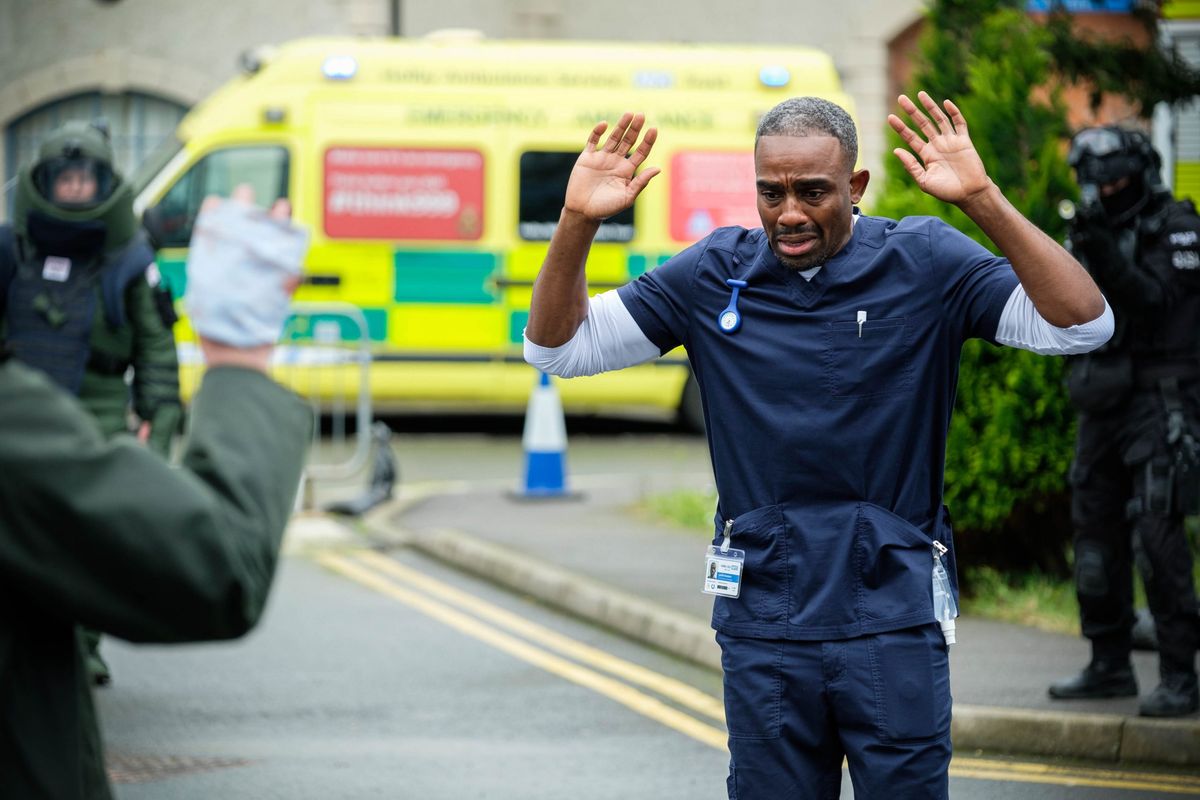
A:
x: 138, y: 123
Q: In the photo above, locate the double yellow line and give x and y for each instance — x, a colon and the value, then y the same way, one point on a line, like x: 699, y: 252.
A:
x: 488, y: 623
x: 1026, y: 772
x: 615, y: 678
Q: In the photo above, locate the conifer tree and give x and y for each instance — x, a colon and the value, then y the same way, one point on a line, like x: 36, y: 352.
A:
x: 1012, y: 436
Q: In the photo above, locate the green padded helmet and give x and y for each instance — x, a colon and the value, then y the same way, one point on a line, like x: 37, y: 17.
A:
x: 72, y: 180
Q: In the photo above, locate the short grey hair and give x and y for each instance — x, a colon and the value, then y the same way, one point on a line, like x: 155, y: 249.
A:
x: 809, y: 116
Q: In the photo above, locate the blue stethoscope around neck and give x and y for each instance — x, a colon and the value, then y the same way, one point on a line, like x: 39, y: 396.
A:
x: 729, y: 320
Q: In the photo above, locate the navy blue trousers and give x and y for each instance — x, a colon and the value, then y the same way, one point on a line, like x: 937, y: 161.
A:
x: 796, y: 709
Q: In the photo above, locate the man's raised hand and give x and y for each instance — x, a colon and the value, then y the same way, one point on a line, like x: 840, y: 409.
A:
x: 605, y: 180
x: 942, y: 161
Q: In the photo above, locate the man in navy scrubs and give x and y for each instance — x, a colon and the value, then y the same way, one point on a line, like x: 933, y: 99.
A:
x: 826, y: 347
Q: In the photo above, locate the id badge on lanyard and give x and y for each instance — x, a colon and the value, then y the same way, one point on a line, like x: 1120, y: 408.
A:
x: 723, y: 567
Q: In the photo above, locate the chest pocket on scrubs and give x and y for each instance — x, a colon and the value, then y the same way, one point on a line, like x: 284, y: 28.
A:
x: 867, y: 359
x: 763, y: 535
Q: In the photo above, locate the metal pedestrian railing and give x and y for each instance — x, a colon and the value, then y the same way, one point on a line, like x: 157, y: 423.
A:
x: 324, y: 356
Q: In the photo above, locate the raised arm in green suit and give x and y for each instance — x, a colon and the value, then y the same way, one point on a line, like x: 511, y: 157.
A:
x: 105, y: 534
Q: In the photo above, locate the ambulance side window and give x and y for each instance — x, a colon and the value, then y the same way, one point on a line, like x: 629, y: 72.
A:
x: 543, y: 184
x: 263, y: 167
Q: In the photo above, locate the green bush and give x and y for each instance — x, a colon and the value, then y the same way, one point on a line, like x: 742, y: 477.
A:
x: 1012, y: 434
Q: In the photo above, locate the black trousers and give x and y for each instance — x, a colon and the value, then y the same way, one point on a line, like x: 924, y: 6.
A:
x: 1122, y: 463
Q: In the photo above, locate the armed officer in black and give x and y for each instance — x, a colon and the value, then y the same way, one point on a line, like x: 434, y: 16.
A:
x: 1137, y: 462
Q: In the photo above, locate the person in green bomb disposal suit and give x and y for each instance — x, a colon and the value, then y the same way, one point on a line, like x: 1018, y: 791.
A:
x: 81, y: 298
x: 103, y: 533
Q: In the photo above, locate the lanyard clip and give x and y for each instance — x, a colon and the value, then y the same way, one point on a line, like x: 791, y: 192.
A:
x: 730, y: 320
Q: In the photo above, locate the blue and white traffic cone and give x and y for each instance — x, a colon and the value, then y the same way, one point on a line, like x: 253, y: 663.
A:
x: 545, y: 444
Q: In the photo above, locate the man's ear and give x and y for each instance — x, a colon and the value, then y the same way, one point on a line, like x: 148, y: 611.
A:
x: 858, y: 185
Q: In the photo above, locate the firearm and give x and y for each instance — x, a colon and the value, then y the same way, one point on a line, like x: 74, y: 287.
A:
x: 1086, y: 219
x: 1088, y: 211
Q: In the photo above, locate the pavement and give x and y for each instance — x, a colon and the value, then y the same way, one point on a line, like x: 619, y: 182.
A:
x: 594, y: 556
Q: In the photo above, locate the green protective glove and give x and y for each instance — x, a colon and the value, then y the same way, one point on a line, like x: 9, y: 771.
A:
x: 164, y: 423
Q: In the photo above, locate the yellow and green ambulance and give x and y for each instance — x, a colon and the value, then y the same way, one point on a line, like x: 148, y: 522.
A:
x: 431, y: 171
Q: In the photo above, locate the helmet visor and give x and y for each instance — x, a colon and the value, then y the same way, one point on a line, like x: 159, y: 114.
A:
x: 74, y: 183
x: 1103, y: 156
x: 1095, y: 143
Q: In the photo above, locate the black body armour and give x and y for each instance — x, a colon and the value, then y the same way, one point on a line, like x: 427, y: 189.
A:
x: 1152, y: 280
x: 49, y: 303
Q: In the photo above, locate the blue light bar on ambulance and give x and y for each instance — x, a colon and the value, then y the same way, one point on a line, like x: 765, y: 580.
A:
x: 339, y: 68
x: 774, y: 76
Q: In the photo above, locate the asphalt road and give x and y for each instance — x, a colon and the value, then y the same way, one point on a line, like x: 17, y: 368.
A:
x: 388, y: 676
x: 348, y: 692
x: 441, y: 448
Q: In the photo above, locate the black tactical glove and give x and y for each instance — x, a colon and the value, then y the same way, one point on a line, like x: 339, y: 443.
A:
x: 1091, y: 235
x: 1089, y: 226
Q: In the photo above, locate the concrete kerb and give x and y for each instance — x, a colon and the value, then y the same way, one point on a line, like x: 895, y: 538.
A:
x: 1045, y: 733
x: 308, y: 531
x: 1160, y: 741
x: 1098, y: 737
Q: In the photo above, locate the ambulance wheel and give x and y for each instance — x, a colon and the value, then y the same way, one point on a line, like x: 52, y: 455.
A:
x: 691, y: 408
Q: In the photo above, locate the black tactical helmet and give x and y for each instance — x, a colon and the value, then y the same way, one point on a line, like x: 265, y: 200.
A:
x: 1105, y: 156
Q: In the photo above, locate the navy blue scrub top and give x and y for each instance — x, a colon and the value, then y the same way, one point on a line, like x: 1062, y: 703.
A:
x: 828, y: 447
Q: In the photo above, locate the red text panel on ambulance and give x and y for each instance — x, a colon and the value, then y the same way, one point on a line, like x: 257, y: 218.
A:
x: 711, y: 190
x: 395, y: 193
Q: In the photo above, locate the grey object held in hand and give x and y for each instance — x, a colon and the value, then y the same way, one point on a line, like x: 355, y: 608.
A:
x: 238, y: 269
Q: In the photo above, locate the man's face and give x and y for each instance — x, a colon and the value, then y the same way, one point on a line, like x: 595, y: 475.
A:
x: 74, y: 186
x: 1109, y: 189
x: 806, y: 195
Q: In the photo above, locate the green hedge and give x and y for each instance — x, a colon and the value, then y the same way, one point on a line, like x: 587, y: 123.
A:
x: 1012, y: 434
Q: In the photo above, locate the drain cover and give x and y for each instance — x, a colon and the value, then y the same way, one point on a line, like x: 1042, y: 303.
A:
x: 143, y: 769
